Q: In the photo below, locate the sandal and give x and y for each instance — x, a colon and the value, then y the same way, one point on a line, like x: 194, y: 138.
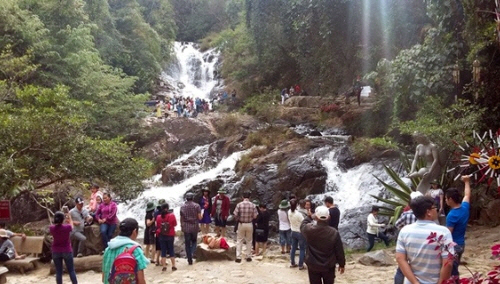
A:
x: 157, y: 264
x: 174, y: 268
x: 164, y: 269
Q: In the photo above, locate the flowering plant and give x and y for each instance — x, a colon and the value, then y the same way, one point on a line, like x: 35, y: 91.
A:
x: 492, y: 277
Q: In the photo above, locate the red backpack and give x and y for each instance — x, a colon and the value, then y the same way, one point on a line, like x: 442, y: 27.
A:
x: 124, y: 269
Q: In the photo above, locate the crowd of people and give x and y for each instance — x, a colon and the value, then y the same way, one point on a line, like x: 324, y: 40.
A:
x: 189, y: 106
x: 303, y: 227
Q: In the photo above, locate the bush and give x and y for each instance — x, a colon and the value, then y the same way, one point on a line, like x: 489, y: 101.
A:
x: 227, y: 125
x: 366, y: 148
x: 264, y: 105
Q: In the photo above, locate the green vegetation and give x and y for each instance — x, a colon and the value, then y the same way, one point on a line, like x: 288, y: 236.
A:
x: 364, y: 149
x: 70, y: 84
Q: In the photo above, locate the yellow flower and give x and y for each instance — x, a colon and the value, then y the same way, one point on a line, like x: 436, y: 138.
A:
x: 494, y: 162
x: 473, y: 157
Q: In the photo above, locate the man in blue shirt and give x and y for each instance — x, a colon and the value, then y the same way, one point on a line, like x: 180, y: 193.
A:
x: 457, y: 218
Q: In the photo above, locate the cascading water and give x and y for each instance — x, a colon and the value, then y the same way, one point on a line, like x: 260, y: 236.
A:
x: 193, y: 73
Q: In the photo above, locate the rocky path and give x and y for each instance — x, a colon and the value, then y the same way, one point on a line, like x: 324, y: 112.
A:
x: 274, y: 268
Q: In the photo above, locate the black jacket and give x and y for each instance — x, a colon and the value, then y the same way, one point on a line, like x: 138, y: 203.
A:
x: 324, y: 246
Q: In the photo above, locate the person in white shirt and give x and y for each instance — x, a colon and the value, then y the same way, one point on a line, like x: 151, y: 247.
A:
x: 372, y: 229
x: 298, y: 240
x: 284, y: 226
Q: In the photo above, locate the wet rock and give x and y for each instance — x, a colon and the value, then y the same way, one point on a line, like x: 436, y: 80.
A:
x: 315, y: 133
x: 345, y: 159
x: 377, y: 258
x: 171, y: 175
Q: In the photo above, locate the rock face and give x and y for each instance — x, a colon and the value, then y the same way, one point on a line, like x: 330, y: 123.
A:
x: 377, y: 258
x: 204, y: 253
x: 489, y: 214
x: 171, y: 175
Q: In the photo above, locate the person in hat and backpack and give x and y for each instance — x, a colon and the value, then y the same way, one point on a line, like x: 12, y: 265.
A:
x: 157, y: 239
x: 123, y: 249
x: 165, y: 230
x: 220, y: 211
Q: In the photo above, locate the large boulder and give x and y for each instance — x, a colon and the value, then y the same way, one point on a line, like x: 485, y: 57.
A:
x: 489, y: 214
x: 171, y: 175
x: 93, y: 244
x: 377, y: 258
x: 203, y: 252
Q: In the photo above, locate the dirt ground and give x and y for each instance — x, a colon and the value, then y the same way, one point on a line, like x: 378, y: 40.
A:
x: 274, y: 268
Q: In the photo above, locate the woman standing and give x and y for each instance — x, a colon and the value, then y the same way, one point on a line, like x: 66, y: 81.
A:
x: 262, y: 229
x: 284, y: 226
x: 372, y: 229
x: 165, y: 230
x: 149, y: 231
x: 298, y: 240
x: 106, y: 216
x: 437, y: 194
x: 61, y: 246
x: 206, y: 207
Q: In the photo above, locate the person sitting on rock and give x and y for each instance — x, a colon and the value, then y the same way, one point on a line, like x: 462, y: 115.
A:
x: 93, y: 204
x: 79, y: 215
x: 7, y: 249
x: 106, y: 216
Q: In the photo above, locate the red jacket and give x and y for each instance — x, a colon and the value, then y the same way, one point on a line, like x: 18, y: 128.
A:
x: 224, y: 207
x: 170, y: 217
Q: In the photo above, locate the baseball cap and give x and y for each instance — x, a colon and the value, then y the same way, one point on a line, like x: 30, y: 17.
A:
x: 415, y: 194
x: 79, y: 200
x: 128, y: 225
x: 322, y: 212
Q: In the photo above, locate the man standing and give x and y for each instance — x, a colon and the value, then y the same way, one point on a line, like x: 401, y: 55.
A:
x: 79, y: 215
x: 324, y: 248
x: 244, y: 213
x: 417, y: 257
x: 220, y: 212
x: 334, y: 213
x: 190, y: 218
x: 457, y: 219
x: 129, y: 229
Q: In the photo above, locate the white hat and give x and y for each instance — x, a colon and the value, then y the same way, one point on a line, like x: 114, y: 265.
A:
x: 415, y: 194
x: 322, y: 212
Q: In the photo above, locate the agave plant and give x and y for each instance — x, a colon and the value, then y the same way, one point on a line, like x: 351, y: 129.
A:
x: 401, y: 192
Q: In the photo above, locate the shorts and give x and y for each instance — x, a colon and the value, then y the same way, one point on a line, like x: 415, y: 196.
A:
x: 220, y: 222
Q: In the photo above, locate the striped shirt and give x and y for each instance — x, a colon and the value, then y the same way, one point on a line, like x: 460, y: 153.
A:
x: 424, y: 259
x: 245, y: 211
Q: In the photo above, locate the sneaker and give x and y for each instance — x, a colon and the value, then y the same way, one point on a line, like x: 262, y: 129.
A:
x: 302, y: 268
x: 164, y: 269
x: 157, y: 263
x: 79, y: 255
x: 174, y: 268
x: 238, y: 260
x: 249, y: 259
x: 293, y: 265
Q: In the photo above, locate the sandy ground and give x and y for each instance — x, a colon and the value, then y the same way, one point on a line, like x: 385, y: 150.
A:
x: 274, y: 268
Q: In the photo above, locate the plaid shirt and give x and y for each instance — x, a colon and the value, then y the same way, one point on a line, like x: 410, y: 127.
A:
x: 406, y: 218
x: 189, y: 217
x: 111, y: 254
x: 245, y: 211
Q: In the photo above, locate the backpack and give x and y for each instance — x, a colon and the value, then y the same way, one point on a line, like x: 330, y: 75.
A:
x: 165, y: 228
x: 124, y: 269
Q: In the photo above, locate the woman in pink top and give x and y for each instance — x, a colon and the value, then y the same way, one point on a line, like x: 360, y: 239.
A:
x: 61, y: 246
x: 106, y: 216
x: 166, y: 239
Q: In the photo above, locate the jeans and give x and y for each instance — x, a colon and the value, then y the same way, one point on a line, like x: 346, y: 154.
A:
x: 300, y: 241
x: 399, y: 277
x: 79, y: 238
x: 167, y: 245
x: 285, y: 237
x: 58, y: 257
x: 459, y: 250
x: 107, y: 231
x: 190, y: 240
x: 371, y: 240
x: 321, y: 277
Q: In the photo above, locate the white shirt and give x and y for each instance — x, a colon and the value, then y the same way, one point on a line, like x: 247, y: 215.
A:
x: 372, y: 225
x: 295, y: 220
x: 284, y: 222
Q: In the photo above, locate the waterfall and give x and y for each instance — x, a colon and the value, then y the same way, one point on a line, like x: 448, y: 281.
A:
x: 193, y: 73
x: 174, y: 194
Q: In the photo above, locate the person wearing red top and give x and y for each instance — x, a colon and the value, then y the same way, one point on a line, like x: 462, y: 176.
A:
x: 220, y: 212
x: 106, y: 216
x: 61, y: 246
x: 166, y: 239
